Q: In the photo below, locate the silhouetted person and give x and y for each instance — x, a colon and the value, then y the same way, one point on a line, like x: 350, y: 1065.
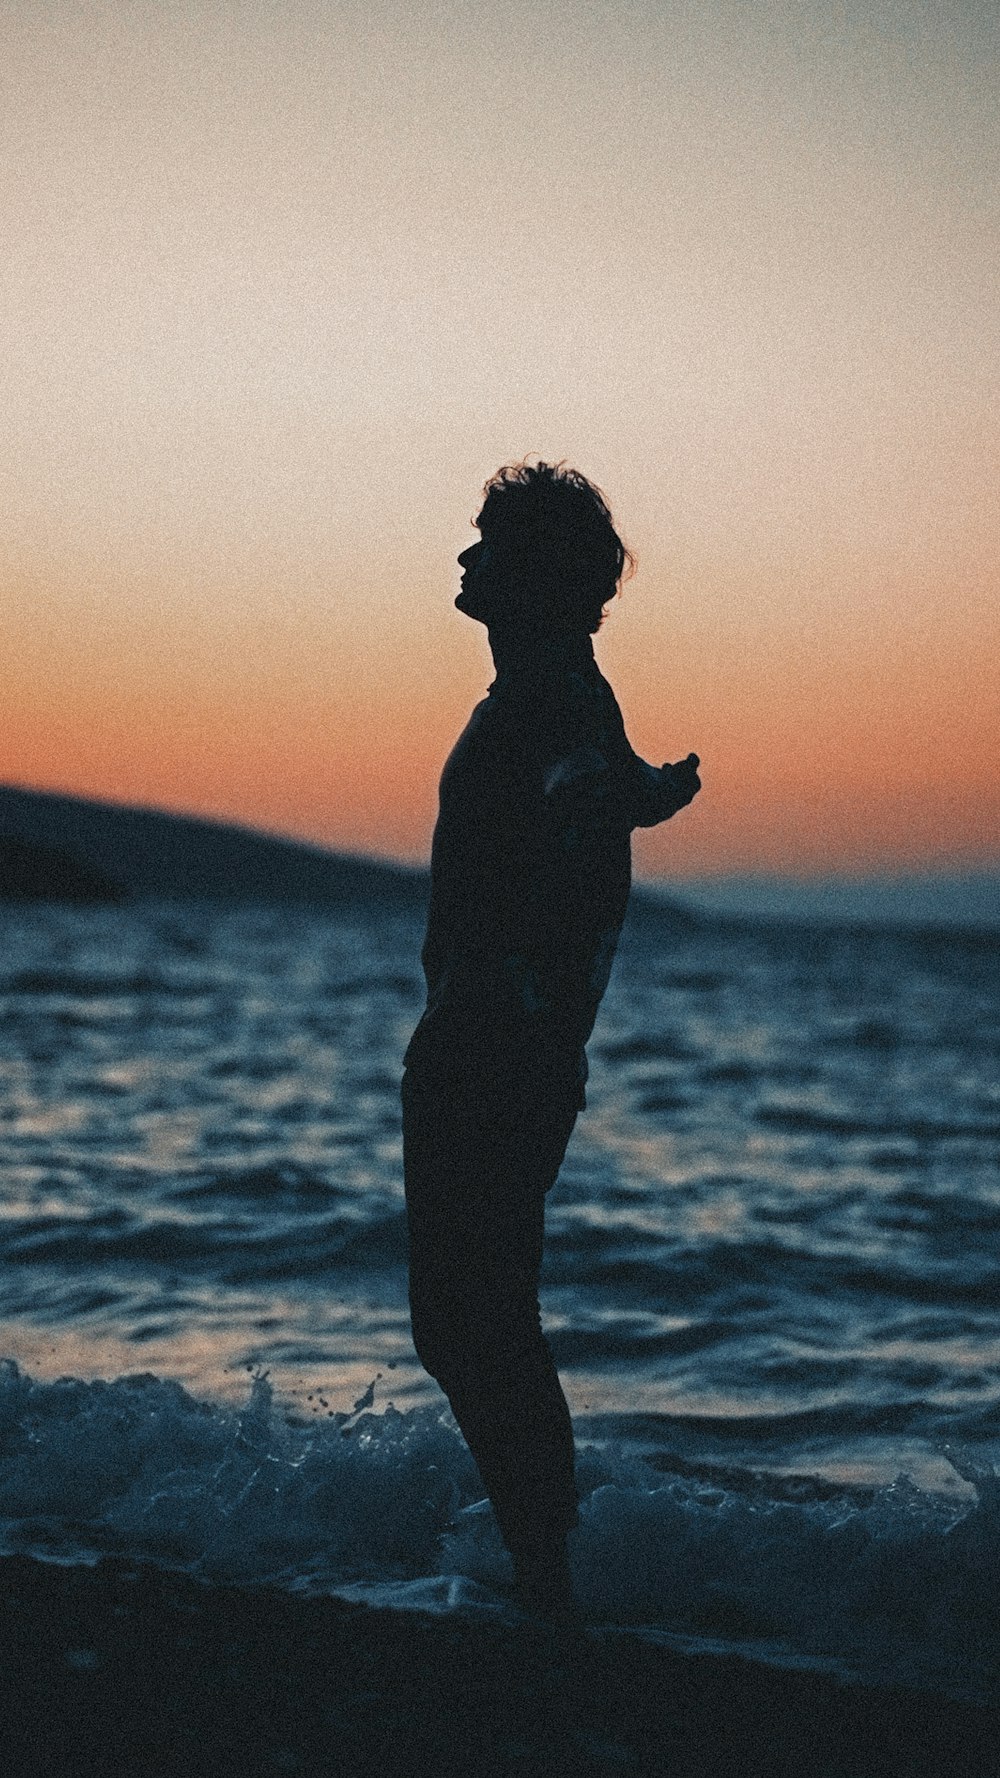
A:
x: 530, y: 874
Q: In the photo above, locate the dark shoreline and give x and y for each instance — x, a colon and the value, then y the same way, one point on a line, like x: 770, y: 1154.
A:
x: 123, y: 1668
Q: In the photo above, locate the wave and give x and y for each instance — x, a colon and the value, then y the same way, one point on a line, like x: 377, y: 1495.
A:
x: 86, y: 987
x: 234, y: 1250
x: 896, y: 1586
x: 263, y: 1185
x: 678, y: 1271
x: 805, y: 1120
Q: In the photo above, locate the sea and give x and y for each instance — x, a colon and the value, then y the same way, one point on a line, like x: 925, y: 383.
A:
x: 771, y: 1283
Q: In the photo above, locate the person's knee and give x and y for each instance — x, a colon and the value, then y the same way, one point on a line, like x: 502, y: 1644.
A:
x: 430, y: 1341
x: 439, y: 1322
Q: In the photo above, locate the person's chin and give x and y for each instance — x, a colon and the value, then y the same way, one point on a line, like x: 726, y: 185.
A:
x: 467, y: 605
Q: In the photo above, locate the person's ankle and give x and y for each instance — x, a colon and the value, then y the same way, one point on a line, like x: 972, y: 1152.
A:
x: 543, y: 1582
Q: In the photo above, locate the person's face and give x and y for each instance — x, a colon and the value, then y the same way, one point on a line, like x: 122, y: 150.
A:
x: 481, y: 585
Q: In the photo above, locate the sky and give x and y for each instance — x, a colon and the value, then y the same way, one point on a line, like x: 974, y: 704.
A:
x: 282, y: 284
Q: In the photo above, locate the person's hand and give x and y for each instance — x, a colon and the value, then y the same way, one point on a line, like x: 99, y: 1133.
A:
x: 681, y: 782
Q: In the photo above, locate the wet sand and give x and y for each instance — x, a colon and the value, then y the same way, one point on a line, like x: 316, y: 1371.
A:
x: 123, y: 1668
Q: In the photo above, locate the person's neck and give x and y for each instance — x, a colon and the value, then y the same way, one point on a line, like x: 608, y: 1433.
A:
x: 523, y: 648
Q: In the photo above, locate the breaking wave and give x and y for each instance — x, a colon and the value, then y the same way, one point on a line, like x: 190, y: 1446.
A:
x: 891, y: 1584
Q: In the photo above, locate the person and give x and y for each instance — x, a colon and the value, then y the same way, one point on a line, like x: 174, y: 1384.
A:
x: 530, y: 876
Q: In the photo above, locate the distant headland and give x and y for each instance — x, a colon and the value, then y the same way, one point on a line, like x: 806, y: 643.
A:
x: 68, y: 848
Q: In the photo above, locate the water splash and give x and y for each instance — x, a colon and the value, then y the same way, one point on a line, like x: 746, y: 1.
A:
x: 386, y: 1507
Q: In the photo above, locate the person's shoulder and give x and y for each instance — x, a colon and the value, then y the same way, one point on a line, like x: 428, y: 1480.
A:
x: 585, y: 702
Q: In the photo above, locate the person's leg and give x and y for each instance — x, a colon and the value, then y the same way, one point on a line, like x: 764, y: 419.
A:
x: 476, y: 1176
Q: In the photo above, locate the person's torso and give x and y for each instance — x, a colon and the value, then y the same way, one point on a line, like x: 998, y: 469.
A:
x: 530, y: 873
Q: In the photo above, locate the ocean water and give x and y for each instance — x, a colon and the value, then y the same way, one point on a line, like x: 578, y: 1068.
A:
x: 772, y: 1280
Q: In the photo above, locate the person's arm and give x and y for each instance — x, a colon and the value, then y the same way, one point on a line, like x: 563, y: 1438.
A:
x: 595, y: 776
x: 648, y: 794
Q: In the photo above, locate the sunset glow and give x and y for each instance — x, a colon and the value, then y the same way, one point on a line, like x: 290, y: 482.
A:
x: 283, y: 285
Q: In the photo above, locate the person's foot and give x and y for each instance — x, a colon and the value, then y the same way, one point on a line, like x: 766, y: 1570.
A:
x: 543, y: 1584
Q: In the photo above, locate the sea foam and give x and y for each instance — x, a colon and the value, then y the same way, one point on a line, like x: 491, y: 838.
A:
x: 896, y: 1586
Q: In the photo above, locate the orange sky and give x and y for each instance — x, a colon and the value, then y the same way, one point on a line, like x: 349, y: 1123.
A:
x: 283, y: 286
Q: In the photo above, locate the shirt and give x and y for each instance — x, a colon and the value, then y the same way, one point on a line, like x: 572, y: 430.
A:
x: 530, y: 873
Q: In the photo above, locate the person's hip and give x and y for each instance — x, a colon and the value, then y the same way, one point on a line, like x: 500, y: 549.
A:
x: 506, y: 1133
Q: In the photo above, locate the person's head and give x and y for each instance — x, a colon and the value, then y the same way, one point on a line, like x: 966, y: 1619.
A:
x: 549, y: 554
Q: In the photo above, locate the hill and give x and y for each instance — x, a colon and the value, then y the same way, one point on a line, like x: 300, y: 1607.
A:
x: 70, y: 848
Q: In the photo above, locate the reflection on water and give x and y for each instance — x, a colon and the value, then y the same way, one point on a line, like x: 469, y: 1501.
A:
x: 775, y: 1241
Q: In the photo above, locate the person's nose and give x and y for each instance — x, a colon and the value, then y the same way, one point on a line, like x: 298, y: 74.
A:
x: 468, y: 556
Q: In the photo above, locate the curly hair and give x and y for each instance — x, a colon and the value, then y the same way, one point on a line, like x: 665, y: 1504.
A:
x: 553, y: 528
